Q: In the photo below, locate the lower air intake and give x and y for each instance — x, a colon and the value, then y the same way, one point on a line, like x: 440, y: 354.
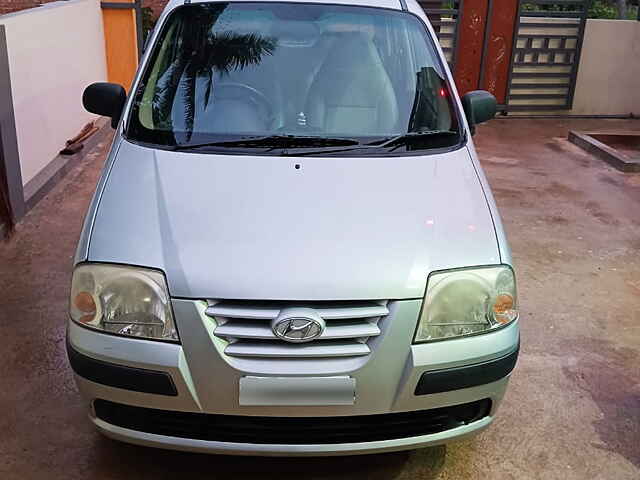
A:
x: 291, y: 430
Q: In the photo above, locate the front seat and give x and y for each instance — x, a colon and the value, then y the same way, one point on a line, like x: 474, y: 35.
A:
x: 352, y: 93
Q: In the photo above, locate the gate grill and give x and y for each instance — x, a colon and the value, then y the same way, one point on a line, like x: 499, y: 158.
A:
x: 444, y: 16
x: 546, y: 54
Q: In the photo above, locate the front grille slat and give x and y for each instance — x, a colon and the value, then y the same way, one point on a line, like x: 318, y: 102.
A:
x: 246, y: 325
x: 236, y: 311
x: 264, y: 313
x: 279, y: 349
x: 291, y: 430
x: 262, y: 331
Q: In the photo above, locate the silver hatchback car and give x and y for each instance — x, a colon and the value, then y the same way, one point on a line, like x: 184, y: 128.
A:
x: 292, y: 249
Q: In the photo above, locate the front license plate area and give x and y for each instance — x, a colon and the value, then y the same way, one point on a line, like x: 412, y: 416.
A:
x: 299, y: 391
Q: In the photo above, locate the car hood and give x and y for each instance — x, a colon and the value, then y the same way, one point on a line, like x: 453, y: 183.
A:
x: 246, y: 227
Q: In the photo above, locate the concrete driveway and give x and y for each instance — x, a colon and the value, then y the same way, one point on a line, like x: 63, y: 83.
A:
x: 573, y: 408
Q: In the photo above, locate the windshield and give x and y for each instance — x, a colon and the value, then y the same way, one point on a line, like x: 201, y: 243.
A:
x: 291, y: 75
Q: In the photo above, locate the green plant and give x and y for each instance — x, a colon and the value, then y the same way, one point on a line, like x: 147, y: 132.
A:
x: 605, y: 9
x: 602, y: 9
x: 148, y: 21
x: 533, y: 7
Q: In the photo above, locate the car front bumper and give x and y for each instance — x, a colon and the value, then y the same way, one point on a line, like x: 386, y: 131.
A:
x: 195, y: 377
x: 288, y: 450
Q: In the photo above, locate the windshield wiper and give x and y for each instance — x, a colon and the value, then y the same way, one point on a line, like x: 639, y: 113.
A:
x: 411, y: 137
x: 390, y: 142
x: 273, y: 141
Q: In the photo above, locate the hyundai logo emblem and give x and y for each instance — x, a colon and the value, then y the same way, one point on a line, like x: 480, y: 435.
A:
x: 298, y: 325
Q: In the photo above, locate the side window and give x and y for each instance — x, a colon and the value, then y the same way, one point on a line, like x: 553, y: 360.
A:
x: 404, y: 81
x: 424, y: 57
x: 432, y: 104
x: 148, y: 115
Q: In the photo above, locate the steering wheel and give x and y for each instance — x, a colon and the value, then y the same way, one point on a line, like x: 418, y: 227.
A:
x: 245, y: 93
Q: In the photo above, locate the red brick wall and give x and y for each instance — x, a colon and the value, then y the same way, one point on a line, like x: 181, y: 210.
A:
x: 8, y: 6
x: 156, y: 5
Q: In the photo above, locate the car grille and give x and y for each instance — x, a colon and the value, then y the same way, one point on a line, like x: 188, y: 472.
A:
x: 291, y: 430
x: 247, y: 328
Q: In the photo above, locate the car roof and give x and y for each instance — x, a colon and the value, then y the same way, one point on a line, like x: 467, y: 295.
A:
x: 393, y: 4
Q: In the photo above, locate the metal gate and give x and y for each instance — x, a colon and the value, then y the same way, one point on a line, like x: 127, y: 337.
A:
x: 444, y: 16
x: 546, y: 54
x: 476, y: 36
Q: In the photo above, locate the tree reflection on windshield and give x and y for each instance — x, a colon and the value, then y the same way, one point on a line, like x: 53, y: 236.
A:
x: 202, y: 53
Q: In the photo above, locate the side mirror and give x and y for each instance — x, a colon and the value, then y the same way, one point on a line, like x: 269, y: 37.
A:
x: 479, y: 106
x: 105, y: 99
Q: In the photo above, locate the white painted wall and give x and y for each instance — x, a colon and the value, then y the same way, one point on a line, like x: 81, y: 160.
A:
x: 55, y: 51
x: 609, y: 75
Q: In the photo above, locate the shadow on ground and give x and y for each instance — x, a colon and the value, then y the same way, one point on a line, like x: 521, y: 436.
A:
x: 122, y: 459
x: 608, y: 377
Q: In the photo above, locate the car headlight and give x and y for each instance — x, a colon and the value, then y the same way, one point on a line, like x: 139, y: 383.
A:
x: 467, y: 302
x: 123, y: 300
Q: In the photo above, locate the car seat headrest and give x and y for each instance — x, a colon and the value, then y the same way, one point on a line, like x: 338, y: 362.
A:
x: 341, y: 24
x: 291, y: 33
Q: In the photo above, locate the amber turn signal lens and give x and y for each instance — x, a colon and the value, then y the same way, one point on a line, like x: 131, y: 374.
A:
x: 503, y: 303
x: 85, y: 303
x: 503, y: 308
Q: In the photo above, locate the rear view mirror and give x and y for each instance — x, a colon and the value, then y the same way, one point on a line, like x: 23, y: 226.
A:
x: 105, y: 99
x: 479, y: 106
